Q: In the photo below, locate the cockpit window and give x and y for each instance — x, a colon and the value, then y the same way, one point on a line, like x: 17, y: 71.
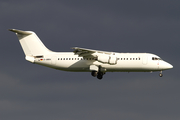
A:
x: 155, y: 58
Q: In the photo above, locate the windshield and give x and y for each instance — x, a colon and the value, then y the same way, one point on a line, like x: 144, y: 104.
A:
x: 155, y: 58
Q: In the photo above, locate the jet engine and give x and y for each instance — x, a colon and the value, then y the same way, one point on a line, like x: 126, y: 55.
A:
x: 107, y: 59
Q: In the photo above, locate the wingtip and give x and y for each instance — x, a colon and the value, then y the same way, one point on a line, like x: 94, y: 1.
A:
x: 11, y: 30
x: 74, y: 48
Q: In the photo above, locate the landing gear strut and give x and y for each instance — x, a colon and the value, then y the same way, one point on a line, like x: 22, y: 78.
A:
x: 160, y: 74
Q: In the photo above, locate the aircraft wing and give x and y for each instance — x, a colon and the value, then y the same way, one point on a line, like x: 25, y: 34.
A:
x: 83, y: 52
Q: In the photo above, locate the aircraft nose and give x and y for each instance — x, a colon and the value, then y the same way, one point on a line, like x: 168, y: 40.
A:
x: 166, y: 65
x: 170, y: 66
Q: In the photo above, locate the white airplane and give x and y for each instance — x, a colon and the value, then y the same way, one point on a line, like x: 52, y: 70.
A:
x: 88, y: 60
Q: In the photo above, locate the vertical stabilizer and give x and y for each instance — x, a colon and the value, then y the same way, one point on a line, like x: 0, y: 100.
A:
x: 31, y: 44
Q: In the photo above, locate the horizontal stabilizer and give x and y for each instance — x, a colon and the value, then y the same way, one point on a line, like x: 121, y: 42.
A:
x: 20, y: 32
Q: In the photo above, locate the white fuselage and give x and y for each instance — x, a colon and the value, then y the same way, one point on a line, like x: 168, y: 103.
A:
x: 126, y: 62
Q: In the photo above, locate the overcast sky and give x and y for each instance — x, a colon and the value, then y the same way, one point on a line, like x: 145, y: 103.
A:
x: 32, y: 92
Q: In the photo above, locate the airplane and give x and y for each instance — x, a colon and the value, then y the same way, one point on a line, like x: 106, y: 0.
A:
x: 88, y: 60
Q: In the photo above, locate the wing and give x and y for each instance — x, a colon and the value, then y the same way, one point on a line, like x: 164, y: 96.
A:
x: 83, y: 52
x: 100, y: 56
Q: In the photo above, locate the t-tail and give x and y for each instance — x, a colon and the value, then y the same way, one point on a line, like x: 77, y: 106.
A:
x: 31, y: 44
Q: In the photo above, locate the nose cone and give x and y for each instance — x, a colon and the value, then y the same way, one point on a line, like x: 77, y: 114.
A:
x: 170, y: 66
x: 165, y: 65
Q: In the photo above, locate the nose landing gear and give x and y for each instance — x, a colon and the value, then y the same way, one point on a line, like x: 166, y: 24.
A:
x: 160, y: 74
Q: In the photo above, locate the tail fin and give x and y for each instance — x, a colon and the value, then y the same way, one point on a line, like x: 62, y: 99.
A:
x: 31, y: 44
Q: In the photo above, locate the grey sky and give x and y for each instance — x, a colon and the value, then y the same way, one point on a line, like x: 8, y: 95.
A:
x: 29, y: 91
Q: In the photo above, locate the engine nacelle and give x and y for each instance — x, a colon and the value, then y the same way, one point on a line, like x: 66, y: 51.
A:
x: 112, y: 60
x: 103, y: 58
x: 107, y: 59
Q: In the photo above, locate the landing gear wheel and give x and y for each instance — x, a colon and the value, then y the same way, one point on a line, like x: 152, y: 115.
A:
x: 99, y: 76
x: 94, y: 73
x: 160, y: 74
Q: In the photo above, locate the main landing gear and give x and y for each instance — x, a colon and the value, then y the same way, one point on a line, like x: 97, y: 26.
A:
x: 160, y: 74
x: 94, y: 73
x: 97, y: 74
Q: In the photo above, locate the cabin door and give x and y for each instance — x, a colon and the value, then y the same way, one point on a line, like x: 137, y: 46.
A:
x: 53, y: 60
x: 145, y: 60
